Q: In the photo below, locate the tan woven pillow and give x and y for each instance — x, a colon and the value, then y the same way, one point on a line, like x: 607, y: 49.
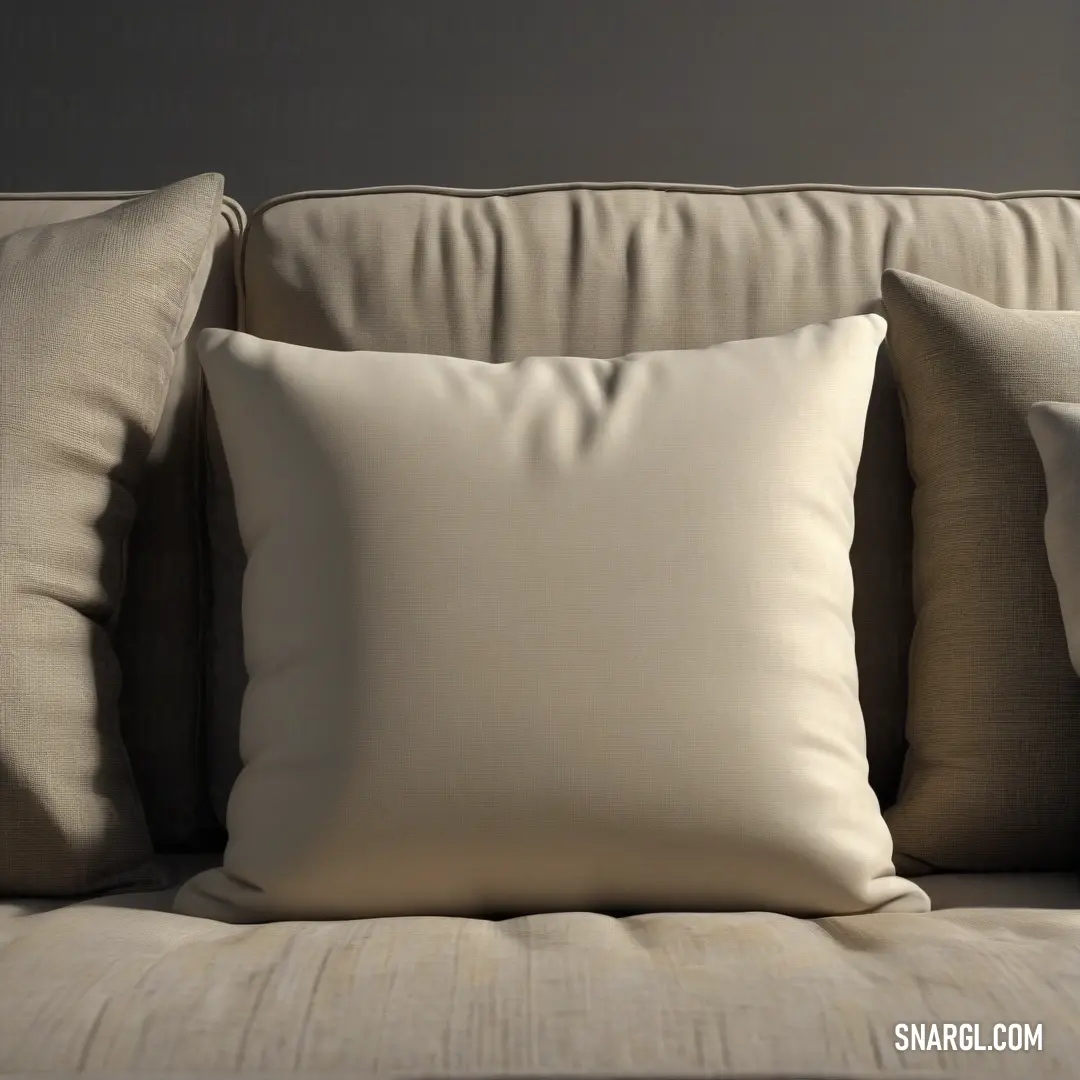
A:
x: 559, y: 633
x: 91, y: 313
x: 989, y: 780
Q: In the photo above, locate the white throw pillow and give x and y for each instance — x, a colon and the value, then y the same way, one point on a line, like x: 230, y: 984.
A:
x: 561, y: 633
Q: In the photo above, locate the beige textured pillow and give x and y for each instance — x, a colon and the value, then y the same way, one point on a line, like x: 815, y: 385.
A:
x: 560, y: 633
x: 91, y: 313
x: 994, y: 740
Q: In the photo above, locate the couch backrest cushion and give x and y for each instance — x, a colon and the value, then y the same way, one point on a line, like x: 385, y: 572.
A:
x: 601, y: 270
x: 157, y: 636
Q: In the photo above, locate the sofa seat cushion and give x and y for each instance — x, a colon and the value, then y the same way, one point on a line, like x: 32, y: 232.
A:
x: 103, y: 985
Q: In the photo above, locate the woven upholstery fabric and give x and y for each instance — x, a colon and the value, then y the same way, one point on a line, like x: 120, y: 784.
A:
x: 558, y: 634
x: 119, y: 986
x: 604, y: 270
x: 92, y: 312
x: 994, y: 718
x: 159, y: 628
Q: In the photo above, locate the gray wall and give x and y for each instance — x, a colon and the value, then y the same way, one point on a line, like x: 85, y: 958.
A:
x: 284, y: 95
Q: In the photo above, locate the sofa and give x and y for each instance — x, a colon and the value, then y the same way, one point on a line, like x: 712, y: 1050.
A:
x: 106, y: 974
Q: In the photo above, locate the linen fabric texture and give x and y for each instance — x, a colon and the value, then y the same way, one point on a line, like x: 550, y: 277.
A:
x: 562, y: 633
x: 989, y: 781
x: 92, y: 311
x: 116, y: 987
